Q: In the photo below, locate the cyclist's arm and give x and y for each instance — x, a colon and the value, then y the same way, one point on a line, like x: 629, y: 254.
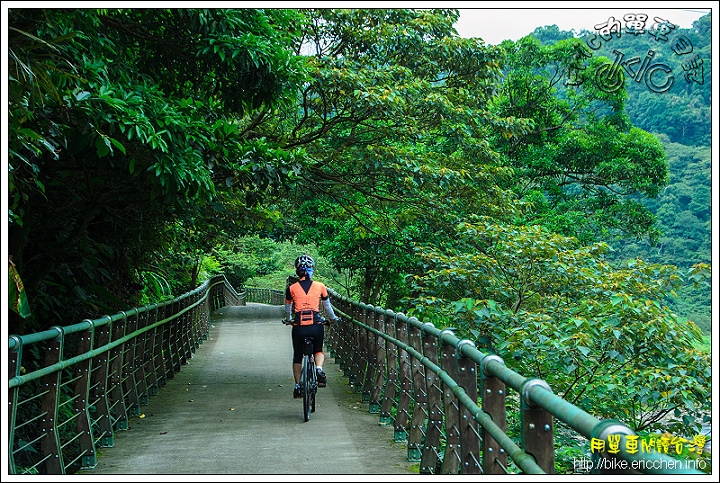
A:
x: 325, y: 298
x: 288, y: 304
x: 329, y: 309
x: 288, y: 310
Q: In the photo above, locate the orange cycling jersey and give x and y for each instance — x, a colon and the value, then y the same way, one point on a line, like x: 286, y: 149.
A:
x: 305, y: 296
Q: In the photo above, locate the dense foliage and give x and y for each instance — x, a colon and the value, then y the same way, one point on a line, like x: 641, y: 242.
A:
x: 430, y: 173
x: 559, y: 311
x: 680, y: 118
x: 131, y: 143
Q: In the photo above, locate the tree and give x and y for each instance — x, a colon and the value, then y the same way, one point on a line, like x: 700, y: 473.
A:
x: 685, y: 119
x: 582, y: 161
x: 555, y: 309
x: 394, y: 124
x: 551, y: 33
x: 680, y: 114
x: 122, y: 121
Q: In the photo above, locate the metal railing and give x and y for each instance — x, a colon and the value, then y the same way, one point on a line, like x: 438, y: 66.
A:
x: 449, y: 401
x: 265, y: 296
x: 71, y: 387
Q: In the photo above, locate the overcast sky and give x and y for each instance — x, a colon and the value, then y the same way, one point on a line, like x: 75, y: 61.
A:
x: 494, y: 25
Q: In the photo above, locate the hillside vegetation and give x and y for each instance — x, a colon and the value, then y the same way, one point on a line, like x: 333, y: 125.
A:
x: 463, y: 183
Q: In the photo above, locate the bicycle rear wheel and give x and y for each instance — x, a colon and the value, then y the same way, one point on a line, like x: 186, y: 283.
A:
x: 312, y: 376
x: 308, y: 399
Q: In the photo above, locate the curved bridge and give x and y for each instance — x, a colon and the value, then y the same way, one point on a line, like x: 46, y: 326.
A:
x: 230, y: 411
x: 108, y: 396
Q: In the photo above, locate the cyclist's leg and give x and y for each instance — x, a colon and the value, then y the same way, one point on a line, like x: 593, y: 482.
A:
x: 298, y: 340
x: 297, y: 369
x: 319, y: 334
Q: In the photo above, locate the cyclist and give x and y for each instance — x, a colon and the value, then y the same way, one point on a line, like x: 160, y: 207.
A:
x: 302, y: 306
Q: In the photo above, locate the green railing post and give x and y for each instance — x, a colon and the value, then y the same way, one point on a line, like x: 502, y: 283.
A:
x: 433, y: 432
x: 138, y: 366
x: 336, y: 331
x: 353, y: 346
x: 537, y: 428
x: 81, y: 404
x: 493, y: 403
x: 177, y: 335
x: 379, y: 363
x: 403, y: 410
x: 129, y: 387
x: 331, y: 333
x: 14, y: 365
x: 420, y: 412
x: 163, y: 345
x: 606, y: 461
x: 371, y: 354
x: 206, y: 321
x: 115, y: 379
x: 452, y: 458
x: 469, y: 436
x: 99, y: 389
x: 348, y: 335
x: 193, y: 327
x: 50, y: 443
x: 393, y: 379
x: 167, y: 342
x: 151, y: 369
x: 363, y: 384
x: 344, y: 333
x: 185, y: 327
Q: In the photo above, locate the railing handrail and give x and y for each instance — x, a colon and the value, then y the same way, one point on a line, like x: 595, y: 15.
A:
x: 120, y: 360
x: 86, y: 325
x: 534, y: 393
x: 117, y: 362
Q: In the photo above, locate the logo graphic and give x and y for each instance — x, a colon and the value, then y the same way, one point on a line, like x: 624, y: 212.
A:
x: 657, y: 76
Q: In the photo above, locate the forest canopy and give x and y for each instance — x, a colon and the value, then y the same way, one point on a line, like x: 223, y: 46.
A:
x: 435, y: 174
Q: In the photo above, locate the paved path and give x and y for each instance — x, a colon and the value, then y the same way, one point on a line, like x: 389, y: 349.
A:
x: 230, y: 410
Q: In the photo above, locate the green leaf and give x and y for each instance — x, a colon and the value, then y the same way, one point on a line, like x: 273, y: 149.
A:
x: 17, y: 295
x: 101, y: 146
x: 118, y: 145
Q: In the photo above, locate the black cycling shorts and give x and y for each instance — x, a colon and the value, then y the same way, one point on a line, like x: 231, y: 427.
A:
x: 299, y: 332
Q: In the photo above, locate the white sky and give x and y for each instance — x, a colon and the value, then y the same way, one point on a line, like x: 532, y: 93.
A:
x: 497, y: 21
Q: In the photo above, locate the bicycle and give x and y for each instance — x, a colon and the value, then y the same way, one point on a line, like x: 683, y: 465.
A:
x: 308, y: 373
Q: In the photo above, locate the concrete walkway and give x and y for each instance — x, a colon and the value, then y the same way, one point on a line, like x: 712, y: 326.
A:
x: 230, y: 410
